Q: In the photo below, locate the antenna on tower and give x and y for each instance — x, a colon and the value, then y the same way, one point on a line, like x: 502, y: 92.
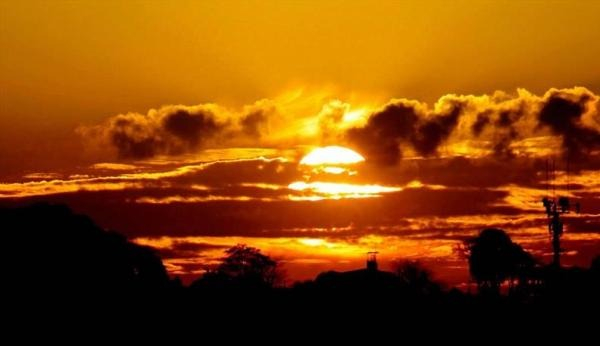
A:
x: 553, y: 178
x: 555, y: 208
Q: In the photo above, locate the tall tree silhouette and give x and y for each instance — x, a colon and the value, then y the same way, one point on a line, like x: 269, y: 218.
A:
x: 493, y: 258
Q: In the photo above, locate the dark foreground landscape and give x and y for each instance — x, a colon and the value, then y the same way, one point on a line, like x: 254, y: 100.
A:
x: 53, y: 257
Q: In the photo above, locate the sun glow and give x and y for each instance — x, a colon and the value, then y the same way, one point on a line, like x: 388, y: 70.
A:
x: 334, y: 170
x: 323, y: 190
x: 331, y: 155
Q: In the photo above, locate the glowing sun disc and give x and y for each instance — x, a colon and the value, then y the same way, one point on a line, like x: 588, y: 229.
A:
x: 331, y: 155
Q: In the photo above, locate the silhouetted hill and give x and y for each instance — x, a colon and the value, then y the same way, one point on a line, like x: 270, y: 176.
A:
x: 48, y: 248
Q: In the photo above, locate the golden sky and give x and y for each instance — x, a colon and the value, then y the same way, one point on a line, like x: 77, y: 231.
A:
x: 81, y: 60
x: 179, y: 107
x: 69, y: 62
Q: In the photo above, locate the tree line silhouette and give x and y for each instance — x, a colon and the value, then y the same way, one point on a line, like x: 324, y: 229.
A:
x: 50, y: 251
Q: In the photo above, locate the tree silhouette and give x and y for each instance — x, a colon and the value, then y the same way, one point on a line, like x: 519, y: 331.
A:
x: 416, y: 279
x: 242, y: 267
x: 493, y: 258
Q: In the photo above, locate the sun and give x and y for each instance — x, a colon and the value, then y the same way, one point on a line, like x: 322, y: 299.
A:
x: 333, y: 163
x: 331, y: 155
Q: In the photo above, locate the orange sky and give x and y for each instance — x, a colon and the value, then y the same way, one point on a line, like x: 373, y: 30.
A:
x: 200, y: 112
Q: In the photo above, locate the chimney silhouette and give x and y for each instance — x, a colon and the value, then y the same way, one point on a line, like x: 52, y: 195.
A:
x: 372, y: 261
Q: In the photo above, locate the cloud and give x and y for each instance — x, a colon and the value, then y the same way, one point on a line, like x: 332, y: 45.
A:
x: 113, y: 166
x: 500, y: 125
x: 380, y: 139
x: 411, y: 124
x: 188, y: 249
x: 42, y: 176
x: 190, y: 127
x: 253, y: 121
x: 330, y: 119
x: 213, y: 173
x: 173, y: 130
x: 565, y: 114
x: 431, y: 132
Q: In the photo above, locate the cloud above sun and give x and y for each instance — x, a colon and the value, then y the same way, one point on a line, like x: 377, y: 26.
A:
x: 502, y: 125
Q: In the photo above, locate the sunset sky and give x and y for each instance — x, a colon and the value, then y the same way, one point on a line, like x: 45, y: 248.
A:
x: 186, y: 125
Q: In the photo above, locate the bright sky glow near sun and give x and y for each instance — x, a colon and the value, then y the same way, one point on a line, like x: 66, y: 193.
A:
x: 331, y: 155
x: 316, y: 131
